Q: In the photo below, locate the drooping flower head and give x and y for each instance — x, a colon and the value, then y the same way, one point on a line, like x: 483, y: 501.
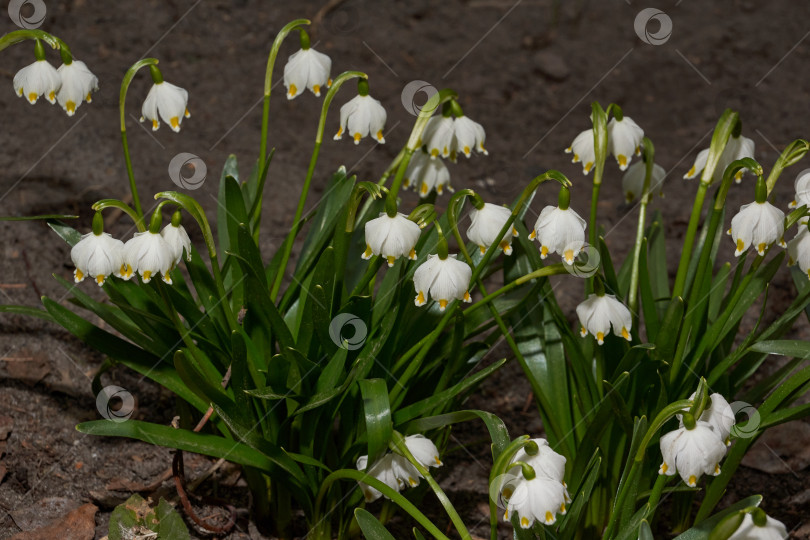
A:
x: 362, y: 116
x: 426, y: 174
x: 384, y: 470
x: 164, y: 101
x: 597, y: 314
x: 560, y: 230
x: 307, y: 68
x: 38, y: 79
x: 442, y: 279
x: 452, y: 133
x: 391, y: 237
x: 78, y: 85
x: 692, y: 451
x: 469, y: 136
x: 486, y: 223
x: 584, y: 150
x: 439, y: 135
x: 802, y: 188
x: 536, y: 491
x: 633, y: 180
x: 757, y: 224
x: 624, y: 139
x: 738, y: 147
x: 798, y: 249
x: 757, y: 525
x: 719, y: 415
x: 97, y: 254
x: 177, y: 239
x: 148, y: 254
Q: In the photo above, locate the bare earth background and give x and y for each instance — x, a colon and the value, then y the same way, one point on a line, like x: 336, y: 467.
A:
x: 525, y: 70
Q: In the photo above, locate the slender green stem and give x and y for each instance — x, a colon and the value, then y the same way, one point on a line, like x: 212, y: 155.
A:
x: 122, y: 99
x: 18, y: 36
x: 268, y: 80
x: 551, y: 270
x: 657, y: 490
x: 632, y: 297
x: 398, y: 444
x: 195, y: 210
x: 395, y: 496
x: 727, y: 123
x: 297, y: 222
x: 115, y: 203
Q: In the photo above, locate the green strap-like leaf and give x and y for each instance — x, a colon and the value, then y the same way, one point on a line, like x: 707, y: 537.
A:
x: 371, y: 527
x: 377, y: 411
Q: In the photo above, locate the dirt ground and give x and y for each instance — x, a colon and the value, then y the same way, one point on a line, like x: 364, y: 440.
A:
x: 527, y: 70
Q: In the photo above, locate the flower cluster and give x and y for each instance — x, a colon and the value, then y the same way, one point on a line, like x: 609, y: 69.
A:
x: 624, y: 140
x: 446, y: 136
x: 534, y: 489
x: 70, y: 85
x: 395, y: 471
x: 698, y: 445
x: 148, y: 254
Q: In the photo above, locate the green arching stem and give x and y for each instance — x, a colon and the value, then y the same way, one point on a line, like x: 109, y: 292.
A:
x: 268, y: 80
x: 330, y: 95
x: 657, y: 490
x: 632, y: 297
x: 195, y: 211
x: 122, y: 98
x: 115, y: 203
x: 550, y: 270
x: 395, y: 496
x: 18, y: 36
x: 600, y: 147
x: 398, y: 444
x: 725, y: 126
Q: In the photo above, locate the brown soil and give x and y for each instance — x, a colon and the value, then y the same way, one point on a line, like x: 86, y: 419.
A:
x: 526, y: 70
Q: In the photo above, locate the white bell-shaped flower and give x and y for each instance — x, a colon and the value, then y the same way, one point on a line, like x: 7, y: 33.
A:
x: 443, y: 280
x: 598, y: 314
x: 759, y: 225
x: 737, y: 148
x: 633, y: 180
x: 560, y: 231
x: 719, y: 415
x: 148, y: 254
x: 385, y: 470
x: 426, y: 174
x: 798, y: 249
x: 307, y: 68
x: 539, y: 499
x: 487, y: 223
x: 167, y: 101
x: 178, y: 241
x: 439, y: 136
x: 361, y: 116
x: 802, y: 187
x: 692, y: 452
x: 770, y: 529
x: 38, y: 79
x: 584, y: 150
x: 78, y: 85
x: 97, y: 256
x: 391, y: 237
x: 546, y: 462
x: 423, y: 450
x: 469, y: 135
x: 624, y: 139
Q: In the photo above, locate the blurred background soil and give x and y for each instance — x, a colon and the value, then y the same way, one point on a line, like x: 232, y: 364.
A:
x: 527, y: 70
